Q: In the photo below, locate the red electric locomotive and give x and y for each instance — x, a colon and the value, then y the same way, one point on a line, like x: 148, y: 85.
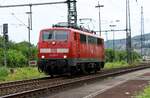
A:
x: 67, y: 50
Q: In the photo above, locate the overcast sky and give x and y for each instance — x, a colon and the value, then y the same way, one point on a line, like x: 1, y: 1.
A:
x: 45, y: 16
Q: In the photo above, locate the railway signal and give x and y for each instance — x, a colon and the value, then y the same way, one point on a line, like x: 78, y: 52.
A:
x: 5, y: 32
x: 5, y: 36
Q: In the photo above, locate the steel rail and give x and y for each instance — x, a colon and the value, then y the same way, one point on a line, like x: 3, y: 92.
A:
x: 19, y: 86
x: 21, y: 81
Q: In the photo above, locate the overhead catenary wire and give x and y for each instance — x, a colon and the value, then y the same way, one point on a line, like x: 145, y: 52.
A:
x: 13, y: 14
x: 32, y: 4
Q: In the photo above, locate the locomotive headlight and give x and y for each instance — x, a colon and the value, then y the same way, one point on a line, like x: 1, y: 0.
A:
x: 53, y: 43
x: 65, y: 56
x: 42, y: 56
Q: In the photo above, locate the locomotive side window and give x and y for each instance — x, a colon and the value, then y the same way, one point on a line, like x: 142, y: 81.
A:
x: 82, y: 38
x: 89, y: 39
x: 92, y: 40
x: 54, y: 35
x: 99, y: 41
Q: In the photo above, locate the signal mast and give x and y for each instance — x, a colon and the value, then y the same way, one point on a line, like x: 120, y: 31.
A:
x: 72, y: 13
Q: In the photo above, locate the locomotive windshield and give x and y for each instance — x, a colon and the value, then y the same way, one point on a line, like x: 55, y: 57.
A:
x: 54, y: 35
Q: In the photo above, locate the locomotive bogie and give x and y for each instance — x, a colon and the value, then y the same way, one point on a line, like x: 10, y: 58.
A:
x: 61, y: 66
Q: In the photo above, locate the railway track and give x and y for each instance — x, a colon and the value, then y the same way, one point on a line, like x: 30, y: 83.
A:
x: 19, y: 86
x: 45, y: 86
x: 21, y: 81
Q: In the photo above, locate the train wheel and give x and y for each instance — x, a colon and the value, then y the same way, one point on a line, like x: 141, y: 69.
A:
x: 96, y: 68
x: 52, y: 75
x: 73, y: 70
x: 99, y: 66
x: 102, y: 64
x: 82, y: 69
x: 88, y: 68
x: 89, y: 71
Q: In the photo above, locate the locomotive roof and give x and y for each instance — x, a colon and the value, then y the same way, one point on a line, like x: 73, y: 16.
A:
x: 72, y: 29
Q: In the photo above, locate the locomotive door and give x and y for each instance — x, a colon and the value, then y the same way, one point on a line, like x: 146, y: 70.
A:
x: 77, y: 37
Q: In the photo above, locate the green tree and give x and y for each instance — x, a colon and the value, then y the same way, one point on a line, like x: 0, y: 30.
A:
x: 109, y: 55
x: 17, y: 53
x: 135, y: 56
x: 119, y: 55
x: 16, y: 58
x: 24, y: 48
x: 1, y: 57
x: 1, y: 42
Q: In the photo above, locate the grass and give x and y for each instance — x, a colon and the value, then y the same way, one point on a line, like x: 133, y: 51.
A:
x: 145, y: 93
x: 116, y: 65
x: 7, y: 74
x: 3, y: 73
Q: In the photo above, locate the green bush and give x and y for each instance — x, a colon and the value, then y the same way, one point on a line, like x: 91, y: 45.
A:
x: 135, y: 56
x: 119, y: 56
x: 17, y: 53
x: 1, y: 57
x: 16, y: 59
x: 3, y: 73
x: 23, y: 47
x: 118, y: 64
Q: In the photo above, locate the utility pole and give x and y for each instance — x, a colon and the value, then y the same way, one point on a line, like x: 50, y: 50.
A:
x: 106, y: 39
x: 142, y: 31
x: 128, y: 33
x: 99, y: 6
x: 113, y: 41
x: 29, y: 32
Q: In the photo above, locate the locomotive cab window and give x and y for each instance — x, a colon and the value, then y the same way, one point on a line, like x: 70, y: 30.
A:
x: 99, y: 41
x: 92, y: 40
x: 60, y: 35
x: 54, y: 35
x: 47, y: 35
